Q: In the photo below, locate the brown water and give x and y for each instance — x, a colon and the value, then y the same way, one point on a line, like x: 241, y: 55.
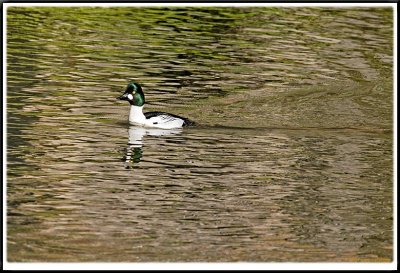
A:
x: 291, y: 160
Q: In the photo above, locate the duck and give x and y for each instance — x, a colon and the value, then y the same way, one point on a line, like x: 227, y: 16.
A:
x: 135, y: 96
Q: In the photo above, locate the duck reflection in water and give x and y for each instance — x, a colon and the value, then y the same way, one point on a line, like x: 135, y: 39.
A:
x: 134, y: 151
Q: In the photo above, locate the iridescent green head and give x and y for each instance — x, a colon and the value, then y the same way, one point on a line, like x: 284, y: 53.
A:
x: 133, y: 94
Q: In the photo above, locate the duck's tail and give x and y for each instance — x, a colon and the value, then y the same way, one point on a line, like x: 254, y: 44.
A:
x: 188, y: 122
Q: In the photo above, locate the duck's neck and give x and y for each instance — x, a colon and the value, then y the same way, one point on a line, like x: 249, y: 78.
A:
x: 136, y: 114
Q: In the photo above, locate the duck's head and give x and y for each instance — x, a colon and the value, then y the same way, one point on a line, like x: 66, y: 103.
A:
x: 133, y: 94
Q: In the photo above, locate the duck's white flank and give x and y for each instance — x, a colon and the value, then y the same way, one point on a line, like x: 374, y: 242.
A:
x: 163, y: 121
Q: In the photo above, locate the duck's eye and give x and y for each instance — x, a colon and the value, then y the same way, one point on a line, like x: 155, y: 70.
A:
x: 130, y: 97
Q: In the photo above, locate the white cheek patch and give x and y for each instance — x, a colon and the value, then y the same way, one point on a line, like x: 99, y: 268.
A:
x: 130, y: 97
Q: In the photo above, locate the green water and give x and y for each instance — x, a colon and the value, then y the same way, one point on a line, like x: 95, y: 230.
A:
x: 291, y: 159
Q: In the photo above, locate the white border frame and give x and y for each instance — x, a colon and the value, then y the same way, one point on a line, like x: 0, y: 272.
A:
x: 203, y: 266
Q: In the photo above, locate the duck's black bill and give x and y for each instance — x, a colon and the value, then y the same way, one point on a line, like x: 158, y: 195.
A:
x: 123, y: 97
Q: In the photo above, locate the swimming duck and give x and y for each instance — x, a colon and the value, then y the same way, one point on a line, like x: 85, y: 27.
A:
x: 135, y: 96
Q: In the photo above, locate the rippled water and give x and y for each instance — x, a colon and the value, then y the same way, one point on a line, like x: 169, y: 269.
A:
x: 291, y: 159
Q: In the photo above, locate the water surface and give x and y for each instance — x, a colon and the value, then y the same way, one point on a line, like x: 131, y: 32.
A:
x: 291, y: 159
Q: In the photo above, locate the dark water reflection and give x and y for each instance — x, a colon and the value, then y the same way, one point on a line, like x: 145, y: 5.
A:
x: 136, y: 134
x: 291, y: 161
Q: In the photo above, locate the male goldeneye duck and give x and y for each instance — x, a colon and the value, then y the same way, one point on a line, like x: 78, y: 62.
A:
x: 135, y: 96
